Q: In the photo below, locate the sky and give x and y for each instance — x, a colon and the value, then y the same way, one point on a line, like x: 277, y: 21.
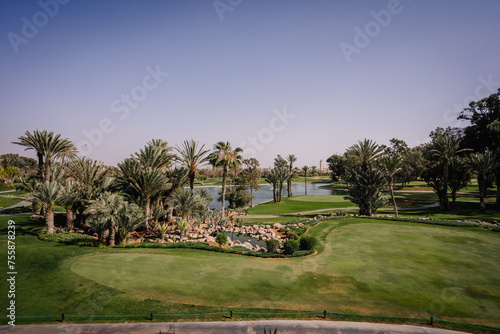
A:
x: 308, y: 78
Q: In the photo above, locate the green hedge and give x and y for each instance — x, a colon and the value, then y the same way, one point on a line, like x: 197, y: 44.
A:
x: 443, y: 222
x: 204, y: 246
x: 69, y: 238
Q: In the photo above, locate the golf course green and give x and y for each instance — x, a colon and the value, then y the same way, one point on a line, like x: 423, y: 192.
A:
x: 364, y: 267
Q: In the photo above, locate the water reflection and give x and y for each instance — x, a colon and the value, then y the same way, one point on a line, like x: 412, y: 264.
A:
x: 265, y: 193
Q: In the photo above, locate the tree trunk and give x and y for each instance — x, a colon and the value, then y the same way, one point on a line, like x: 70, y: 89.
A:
x: 446, y: 202
x: 453, y: 199
x: 34, y: 207
x: 482, y: 192
x: 497, y: 177
x: 391, y: 185
x: 112, y: 233
x: 305, y: 184
x: 147, y: 212
x: 251, y: 198
x: 70, y: 218
x: 192, y: 175
x: 170, y: 214
x: 223, y: 195
x: 49, y: 219
x: 47, y: 171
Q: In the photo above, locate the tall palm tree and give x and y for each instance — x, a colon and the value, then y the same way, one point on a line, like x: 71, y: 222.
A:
x: 392, y: 164
x: 70, y: 200
x: 107, y: 206
x: 291, y: 158
x: 49, y: 194
x: 48, y: 147
x: 156, y: 154
x: 367, y: 151
x: 192, y: 156
x: 444, y: 147
x: 226, y: 157
x: 273, y: 179
x: 484, y: 165
x: 306, y: 170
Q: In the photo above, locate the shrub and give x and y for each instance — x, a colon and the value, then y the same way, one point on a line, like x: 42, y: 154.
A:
x: 308, y: 242
x: 221, y: 239
x: 292, y: 235
x: 290, y: 247
x: 272, y: 245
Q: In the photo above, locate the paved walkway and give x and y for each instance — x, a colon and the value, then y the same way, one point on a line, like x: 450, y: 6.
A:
x: 229, y: 327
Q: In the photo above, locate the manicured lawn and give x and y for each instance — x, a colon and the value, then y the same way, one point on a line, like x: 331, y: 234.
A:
x: 9, y: 201
x: 463, y: 210
x: 363, y: 266
x: 5, y: 188
x: 301, y: 203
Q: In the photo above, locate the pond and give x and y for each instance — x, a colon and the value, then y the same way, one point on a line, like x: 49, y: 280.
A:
x: 265, y: 193
x: 245, y: 238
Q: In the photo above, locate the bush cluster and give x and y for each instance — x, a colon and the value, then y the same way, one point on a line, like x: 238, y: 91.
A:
x: 272, y: 245
x: 69, y: 238
x: 308, y: 242
x: 202, y: 245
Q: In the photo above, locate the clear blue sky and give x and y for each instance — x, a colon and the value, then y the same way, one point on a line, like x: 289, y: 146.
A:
x: 232, y: 69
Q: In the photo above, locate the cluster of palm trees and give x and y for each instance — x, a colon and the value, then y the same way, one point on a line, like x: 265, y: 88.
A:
x: 373, y: 169
x: 145, y: 190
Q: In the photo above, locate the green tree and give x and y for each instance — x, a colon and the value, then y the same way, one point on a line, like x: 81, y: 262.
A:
x: 291, y: 158
x: 366, y: 152
x: 392, y: 164
x: 48, y: 147
x: 444, y: 147
x: 192, y: 156
x: 107, y: 206
x: 305, y: 170
x: 337, y: 166
x: 459, y: 176
x: 367, y: 190
x: 128, y: 219
x: 49, y: 193
x: 250, y: 176
x: 484, y: 164
x: 226, y: 157
x: 483, y: 133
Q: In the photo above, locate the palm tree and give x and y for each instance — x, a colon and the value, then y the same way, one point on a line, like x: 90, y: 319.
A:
x: 224, y: 156
x: 366, y: 190
x: 107, y: 206
x: 192, y: 157
x: 128, y: 219
x: 204, y: 198
x: 367, y: 151
x: 459, y: 176
x: 49, y: 194
x: 306, y: 170
x: 48, y: 147
x: 273, y: 178
x: 484, y: 165
x: 444, y: 147
x: 184, y: 202
x: 392, y: 164
x: 291, y: 158
x: 156, y: 154
x: 70, y: 200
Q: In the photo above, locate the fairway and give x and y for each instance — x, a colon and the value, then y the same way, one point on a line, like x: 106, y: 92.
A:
x: 363, y: 267
x: 301, y: 203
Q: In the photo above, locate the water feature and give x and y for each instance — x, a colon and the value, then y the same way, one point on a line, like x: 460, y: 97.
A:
x: 245, y: 238
x: 265, y: 193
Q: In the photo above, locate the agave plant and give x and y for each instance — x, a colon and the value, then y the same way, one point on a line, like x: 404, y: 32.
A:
x: 162, y: 228
x: 183, y: 225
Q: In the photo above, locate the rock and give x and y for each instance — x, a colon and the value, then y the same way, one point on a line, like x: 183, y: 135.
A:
x: 236, y: 242
x: 210, y: 239
x: 247, y: 245
x: 261, y: 231
x: 277, y: 225
x: 300, y: 224
x: 170, y: 240
x: 256, y: 248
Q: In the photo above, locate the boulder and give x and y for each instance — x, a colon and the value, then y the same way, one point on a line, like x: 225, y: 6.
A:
x: 277, y: 225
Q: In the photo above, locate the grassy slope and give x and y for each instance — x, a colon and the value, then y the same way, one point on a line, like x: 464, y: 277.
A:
x: 362, y: 267
x: 9, y: 201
